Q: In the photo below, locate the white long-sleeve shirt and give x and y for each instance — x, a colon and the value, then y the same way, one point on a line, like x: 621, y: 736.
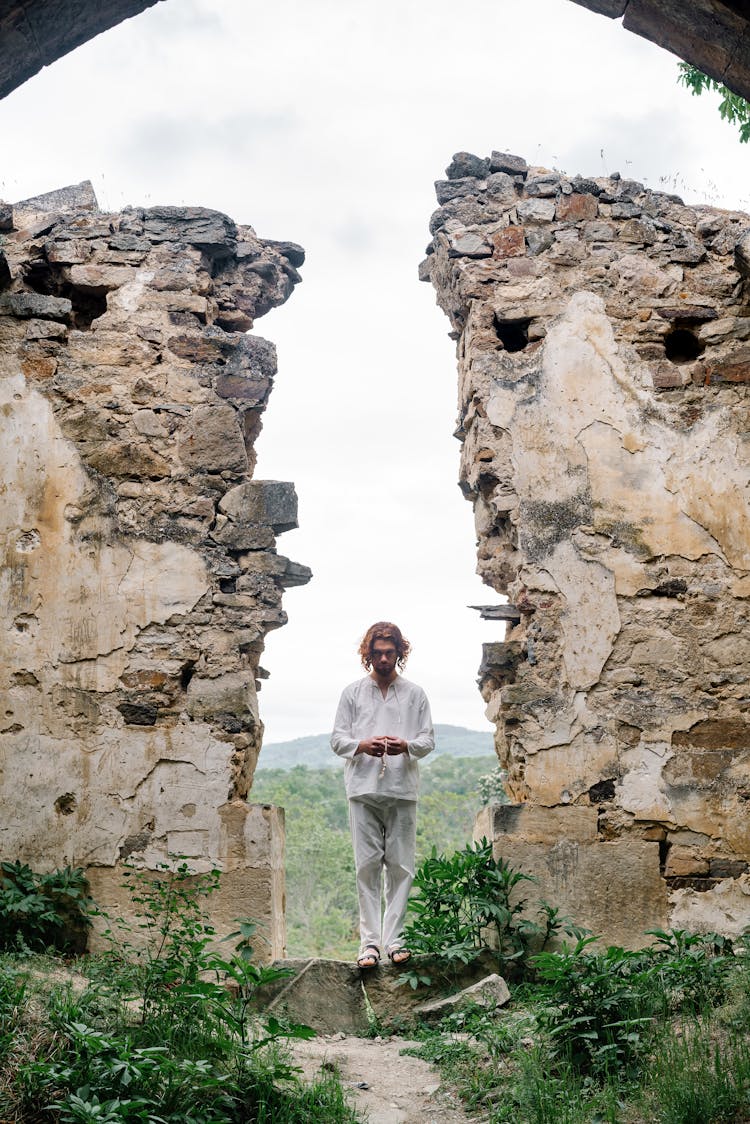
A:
x: 364, y: 713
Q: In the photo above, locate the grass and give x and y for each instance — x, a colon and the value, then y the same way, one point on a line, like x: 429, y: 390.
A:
x: 75, y: 1049
x: 661, y: 1036
x: 159, y: 1031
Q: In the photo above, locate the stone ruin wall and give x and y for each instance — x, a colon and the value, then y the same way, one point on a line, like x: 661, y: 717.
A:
x: 603, y: 337
x: 140, y: 575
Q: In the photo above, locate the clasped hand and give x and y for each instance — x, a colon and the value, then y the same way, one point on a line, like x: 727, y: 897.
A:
x: 377, y: 747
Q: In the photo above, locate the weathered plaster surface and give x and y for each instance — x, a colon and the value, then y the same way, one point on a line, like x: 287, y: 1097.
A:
x: 603, y: 381
x: 139, y: 572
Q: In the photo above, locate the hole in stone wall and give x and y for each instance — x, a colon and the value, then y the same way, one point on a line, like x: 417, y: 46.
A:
x: 66, y: 804
x: 487, y: 483
x: 186, y: 674
x: 513, y: 334
x: 87, y: 307
x: 602, y: 791
x: 682, y: 346
x: 45, y: 279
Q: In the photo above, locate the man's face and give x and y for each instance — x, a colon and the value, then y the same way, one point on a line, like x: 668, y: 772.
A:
x: 383, y: 655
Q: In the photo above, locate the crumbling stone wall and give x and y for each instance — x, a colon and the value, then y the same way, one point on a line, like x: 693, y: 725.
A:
x: 139, y: 574
x: 604, y: 369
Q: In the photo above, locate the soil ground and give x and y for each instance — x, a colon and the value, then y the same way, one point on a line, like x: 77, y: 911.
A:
x: 385, y: 1086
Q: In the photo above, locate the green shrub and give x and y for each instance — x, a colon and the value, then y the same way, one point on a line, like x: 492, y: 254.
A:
x: 600, y: 1006
x: 467, y: 902
x: 39, y: 911
x: 693, y: 968
x: 165, y: 1034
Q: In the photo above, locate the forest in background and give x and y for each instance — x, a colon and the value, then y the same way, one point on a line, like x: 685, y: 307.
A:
x: 322, y: 913
x: 314, y: 750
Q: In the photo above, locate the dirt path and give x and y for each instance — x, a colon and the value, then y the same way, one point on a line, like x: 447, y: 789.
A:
x: 386, y: 1087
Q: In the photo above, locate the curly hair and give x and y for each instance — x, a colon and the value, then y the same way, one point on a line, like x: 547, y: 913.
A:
x: 383, y: 630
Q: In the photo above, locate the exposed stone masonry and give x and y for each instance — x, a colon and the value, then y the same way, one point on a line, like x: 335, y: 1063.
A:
x: 604, y: 364
x: 140, y: 575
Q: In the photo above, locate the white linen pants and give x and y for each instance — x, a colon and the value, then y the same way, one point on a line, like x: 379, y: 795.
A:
x: 384, y: 834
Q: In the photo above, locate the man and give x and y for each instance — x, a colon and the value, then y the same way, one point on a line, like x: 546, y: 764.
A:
x: 383, y: 726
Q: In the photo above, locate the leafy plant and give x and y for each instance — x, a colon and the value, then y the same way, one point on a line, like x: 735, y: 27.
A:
x: 241, y: 979
x: 169, y: 1038
x: 163, y: 952
x: 468, y: 902
x: 40, y: 911
x: 601, y: 1006
x: 13, y: 986
x: 732, y: 107
x: 692, y: 967
x: 598, y: 1005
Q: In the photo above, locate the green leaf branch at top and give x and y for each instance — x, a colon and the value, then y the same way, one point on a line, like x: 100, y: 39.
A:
x: 732, y: 107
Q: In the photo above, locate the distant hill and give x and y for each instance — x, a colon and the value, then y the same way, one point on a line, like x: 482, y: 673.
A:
x: 315, y: 749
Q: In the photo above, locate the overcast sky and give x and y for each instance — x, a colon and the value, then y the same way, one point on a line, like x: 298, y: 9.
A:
x: 326, y: 122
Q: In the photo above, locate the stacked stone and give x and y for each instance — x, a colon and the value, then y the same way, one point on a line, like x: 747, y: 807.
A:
x: 604, y: 366
x: 140, y: 567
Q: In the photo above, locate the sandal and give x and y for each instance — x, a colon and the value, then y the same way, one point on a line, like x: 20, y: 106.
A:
x: 369, y: 957
x: 399, y: 956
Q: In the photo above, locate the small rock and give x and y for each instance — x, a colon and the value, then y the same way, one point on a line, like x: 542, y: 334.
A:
x: 585, y: 186
x: 626, y: 211
x: 293, y: 252
x: 269, y: 502
x: 467, y: 245
x: 543, y: 186
x: 446, y: 190
x: 536, y: 210
x: 506, y: 162
x: 491, y: 991
x: 742, y: 254
x: 538, y: 241
x: 467, y: 164
x: 509, y: 242
x: 26, y: 305
x: 502, y: 188
x: 574, y: 208
x: 690, y: 252
x: 641, y: 231
x: 697, y: 313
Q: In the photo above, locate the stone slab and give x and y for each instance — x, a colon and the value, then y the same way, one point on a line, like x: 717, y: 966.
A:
x: 537, y: 824
x: 335, y: 995
x: 614, y: 889
x: 492, y: 991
